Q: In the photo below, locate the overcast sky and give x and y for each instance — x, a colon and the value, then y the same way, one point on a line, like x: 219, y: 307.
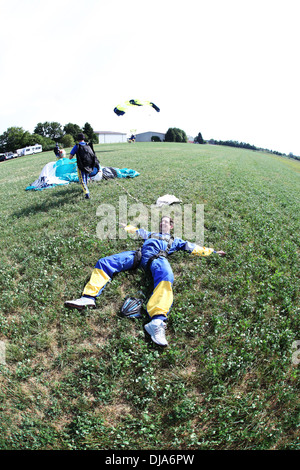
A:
x: 228, y: 69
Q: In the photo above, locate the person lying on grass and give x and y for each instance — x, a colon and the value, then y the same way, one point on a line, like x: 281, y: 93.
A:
x: 152, y: 257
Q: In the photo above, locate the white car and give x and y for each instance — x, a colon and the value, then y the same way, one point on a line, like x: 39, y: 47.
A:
x: 10, y: 155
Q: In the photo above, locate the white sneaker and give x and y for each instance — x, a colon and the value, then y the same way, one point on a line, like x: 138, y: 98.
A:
x: 81, y: 303
x: 156, y: 329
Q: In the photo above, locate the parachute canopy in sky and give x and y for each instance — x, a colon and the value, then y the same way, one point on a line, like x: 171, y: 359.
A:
x: 121, y: 109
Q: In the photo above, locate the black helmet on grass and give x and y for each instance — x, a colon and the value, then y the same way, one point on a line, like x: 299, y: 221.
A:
x: 131, y: 307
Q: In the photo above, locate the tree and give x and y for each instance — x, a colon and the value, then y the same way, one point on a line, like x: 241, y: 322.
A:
x: 68, y: 141
x: 170, y: 135
x: 199, y: 139
x: 13, y: 138
x: 41, y: 128
x: 174, y: 134
x: 53, y: 130
x: 37, y: 139
x: 88, y: 131
x: 182, y: 135
x: 72, y: 129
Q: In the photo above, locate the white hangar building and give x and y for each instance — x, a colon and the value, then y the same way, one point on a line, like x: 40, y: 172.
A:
x: 147, y: 136
x: 108, y: 137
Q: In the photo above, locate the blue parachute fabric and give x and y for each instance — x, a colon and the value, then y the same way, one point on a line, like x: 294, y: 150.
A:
x: 66, y: 169
x: 126, y: 173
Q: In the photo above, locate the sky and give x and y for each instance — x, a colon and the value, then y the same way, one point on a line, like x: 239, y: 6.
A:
x: 228, y: 69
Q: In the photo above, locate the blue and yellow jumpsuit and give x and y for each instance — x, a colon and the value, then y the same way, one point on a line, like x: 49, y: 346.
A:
x: 161, y: 299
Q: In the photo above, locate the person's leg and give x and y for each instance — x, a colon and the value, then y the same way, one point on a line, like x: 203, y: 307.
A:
x: 102, y: 273
x: 160, y: 302
x: 82, y: 176
x: 104, y: 270
x: 161, y: 299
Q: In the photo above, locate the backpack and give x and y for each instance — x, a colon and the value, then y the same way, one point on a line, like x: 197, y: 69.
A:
x: 86, y: 158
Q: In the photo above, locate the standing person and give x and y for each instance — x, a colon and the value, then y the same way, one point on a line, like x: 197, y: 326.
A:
x: 57, y: 151
x: 86, y: 162
x: 152, y: 257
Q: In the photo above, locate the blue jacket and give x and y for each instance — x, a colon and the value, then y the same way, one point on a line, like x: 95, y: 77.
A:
x: 154, y: 242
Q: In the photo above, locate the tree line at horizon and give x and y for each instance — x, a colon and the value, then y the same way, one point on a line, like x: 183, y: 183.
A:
x: 48, y: 134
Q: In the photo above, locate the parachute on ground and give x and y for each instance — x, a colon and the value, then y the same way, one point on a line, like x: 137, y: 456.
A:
x: 64, y: 171
x: 121, y: 109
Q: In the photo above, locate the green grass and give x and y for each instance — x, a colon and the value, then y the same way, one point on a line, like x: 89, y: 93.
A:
x: 92, y: 380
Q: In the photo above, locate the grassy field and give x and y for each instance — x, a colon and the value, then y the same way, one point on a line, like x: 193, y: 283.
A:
x: 229, y: 378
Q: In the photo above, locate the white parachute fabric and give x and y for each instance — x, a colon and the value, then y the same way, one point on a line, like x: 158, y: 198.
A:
x: 47, y: 178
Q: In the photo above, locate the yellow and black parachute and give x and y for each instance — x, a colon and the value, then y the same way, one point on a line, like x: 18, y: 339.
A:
x: 121, y: 109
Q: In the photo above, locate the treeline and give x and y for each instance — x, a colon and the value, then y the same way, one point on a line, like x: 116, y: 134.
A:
x: 234, y: 143
x: 174, y: 134
x: 45, y: 134
x: 48, y: 134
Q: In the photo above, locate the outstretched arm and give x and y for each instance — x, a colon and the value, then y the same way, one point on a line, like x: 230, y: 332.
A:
x: 139, y: 231
x: 221, y: 253
x: 128, y: 227
x: 73, y: 152
x: 198, y: 250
